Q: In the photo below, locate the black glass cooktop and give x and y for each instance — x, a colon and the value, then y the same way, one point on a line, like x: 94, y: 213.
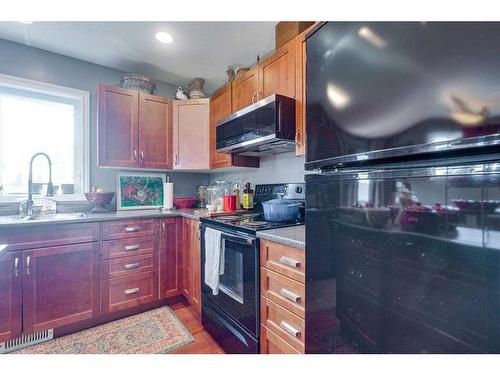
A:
x: 249, y: 223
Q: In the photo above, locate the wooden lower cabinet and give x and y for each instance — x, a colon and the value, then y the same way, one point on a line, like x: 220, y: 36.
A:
x: 169, y: 257
x: 191, y: 262
x: 60, y: 286
x: 286, y: 325
x: 11, y: 294
x: 282, y: 298
x: 129, y: 291
x: 271, y: 343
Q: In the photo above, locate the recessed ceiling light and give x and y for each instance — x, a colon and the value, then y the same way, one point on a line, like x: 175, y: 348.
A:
x: 164, y: 37
x: 26, y: 22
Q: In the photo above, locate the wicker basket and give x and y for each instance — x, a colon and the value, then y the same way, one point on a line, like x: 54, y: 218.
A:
x: 138, y: 82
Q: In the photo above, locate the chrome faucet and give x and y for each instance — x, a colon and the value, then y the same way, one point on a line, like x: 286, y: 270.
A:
x: 50, y: 188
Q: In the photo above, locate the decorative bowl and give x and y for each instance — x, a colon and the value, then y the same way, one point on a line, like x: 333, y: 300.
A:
x: 187, y: 202
x: 138, y: 82
x: 99, y: 200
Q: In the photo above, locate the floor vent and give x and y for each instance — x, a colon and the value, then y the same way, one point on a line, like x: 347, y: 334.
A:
x: 25, y: 341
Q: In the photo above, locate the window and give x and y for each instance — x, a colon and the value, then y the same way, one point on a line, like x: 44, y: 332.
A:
x: 38, y: 117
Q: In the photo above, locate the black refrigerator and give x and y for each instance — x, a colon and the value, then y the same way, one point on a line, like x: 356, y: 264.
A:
x: 403, y: 187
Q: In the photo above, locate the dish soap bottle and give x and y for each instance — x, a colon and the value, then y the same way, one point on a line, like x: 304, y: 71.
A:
x: 247, y: 197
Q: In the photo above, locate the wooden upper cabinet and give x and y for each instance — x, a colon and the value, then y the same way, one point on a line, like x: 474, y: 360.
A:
x: 220, y: 107
x: 300, y: 93
x: 11, y: 294
x: 191, y: 134
x: 60, y: 286
x: 277, y: 73
x: 118, y: 126
x: 155, y: 132
x: 134, y: 129
x: 245, y: 89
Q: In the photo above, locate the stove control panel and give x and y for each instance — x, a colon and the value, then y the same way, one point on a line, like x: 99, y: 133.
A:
x: 272, y: 191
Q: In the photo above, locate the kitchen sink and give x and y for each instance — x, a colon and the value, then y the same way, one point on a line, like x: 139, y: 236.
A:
x: 49, y: 217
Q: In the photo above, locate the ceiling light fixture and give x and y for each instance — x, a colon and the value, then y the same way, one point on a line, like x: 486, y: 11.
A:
x: 164, y: 37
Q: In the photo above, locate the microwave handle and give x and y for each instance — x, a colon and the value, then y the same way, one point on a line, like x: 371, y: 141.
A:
x: 278, y: 103
x: 244, y: 240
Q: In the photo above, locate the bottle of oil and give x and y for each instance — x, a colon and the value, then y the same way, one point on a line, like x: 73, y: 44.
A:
x: 247, y: 197
x: 237, y: 192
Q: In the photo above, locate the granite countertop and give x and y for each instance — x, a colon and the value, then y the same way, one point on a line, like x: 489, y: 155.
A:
x: 115, y: 215
x: 290, y: 236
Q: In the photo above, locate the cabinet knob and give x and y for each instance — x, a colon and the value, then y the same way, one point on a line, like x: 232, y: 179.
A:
x: 142, y: 156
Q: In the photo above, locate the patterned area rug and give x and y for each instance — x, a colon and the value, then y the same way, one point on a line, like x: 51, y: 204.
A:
x: 155, y: 331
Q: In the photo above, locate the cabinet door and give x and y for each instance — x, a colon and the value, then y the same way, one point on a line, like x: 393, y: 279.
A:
x: 187, y: 276
x: 169, y: 258
x: 277, y: 73
x: 10, y: 295
x: 245, y: 89
x: 220, y: 107
x: 300, y: 94
x: 60, y: 286
x: 155, y: 132
x: 118, y: 140
x: 191, y: 134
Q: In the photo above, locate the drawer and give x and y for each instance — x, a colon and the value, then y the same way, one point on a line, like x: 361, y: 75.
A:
x: 129, y: 247
x: 286, y: 260
x: 287, y: 326
x: 129, y: 291
x: 130, y: 228
x: 129, y: 265
x: 286, y: 292
x: 34, y: 236
x: 272, y: 344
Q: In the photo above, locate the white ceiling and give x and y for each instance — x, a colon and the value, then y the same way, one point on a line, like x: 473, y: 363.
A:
x: 200, y: 49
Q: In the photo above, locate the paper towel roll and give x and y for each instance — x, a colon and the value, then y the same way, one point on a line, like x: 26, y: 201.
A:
x: 168, y: 196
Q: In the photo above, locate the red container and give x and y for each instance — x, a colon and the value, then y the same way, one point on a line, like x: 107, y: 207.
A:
x: 229, y: 203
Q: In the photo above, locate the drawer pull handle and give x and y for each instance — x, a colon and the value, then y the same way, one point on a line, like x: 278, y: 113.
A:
x: 290, y: 262
x: 132, y: 229
x: 290, y: 295
x: 16, y: 267
x: 131, y: 266
x: 131, y: 291
x: 290, y: 329
x: 132, y: 247
x: 28, y: 269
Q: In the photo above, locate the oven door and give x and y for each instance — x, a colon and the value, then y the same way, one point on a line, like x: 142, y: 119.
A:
x: 238, y: 284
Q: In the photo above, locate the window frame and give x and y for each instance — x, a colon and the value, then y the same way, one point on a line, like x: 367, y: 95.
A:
x: 82, y: 128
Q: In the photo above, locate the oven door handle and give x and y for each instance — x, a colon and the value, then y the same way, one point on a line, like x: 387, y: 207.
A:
x: 243, y: 239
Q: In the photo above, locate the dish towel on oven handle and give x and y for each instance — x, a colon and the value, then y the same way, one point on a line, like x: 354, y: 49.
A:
x: 214, y: 258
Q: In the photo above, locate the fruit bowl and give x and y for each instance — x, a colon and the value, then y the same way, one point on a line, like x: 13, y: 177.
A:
x: 185, y: 202
x: 99, y: 200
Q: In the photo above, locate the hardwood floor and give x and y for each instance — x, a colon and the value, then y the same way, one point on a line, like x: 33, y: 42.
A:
x: 204, y: 343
